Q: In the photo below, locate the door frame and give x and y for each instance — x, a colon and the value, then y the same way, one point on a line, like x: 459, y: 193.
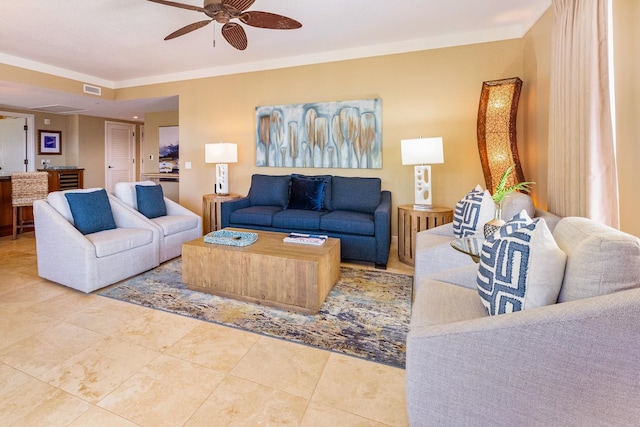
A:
x: 31, y: 139
x: 132, y: 150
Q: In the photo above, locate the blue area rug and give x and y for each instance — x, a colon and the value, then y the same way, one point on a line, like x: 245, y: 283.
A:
x: 366, y: 314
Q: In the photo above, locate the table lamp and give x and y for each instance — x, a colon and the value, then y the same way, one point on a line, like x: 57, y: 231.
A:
x: 422, y: 152
x: 221, y: 154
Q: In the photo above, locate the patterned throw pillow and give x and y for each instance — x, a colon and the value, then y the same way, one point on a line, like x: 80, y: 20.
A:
x: 520, y: 220
x: 521, y: 270
x: 472, y: 212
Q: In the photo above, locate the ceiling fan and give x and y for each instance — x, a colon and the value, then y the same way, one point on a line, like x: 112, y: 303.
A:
x: 223, y: 11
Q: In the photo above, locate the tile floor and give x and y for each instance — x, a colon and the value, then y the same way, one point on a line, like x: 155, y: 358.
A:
x: 70, y: 359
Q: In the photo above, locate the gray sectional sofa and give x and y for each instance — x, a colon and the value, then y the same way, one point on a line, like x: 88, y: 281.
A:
x: 355, y: 210
x: 572, y: 363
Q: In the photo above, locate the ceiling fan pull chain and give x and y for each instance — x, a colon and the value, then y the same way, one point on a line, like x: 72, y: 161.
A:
x: 214, y: 33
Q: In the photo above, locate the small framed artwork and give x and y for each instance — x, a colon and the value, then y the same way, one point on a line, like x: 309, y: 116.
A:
x: 50, y: 142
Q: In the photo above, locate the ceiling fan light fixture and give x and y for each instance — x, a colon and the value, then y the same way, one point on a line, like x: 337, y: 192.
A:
x: 223, y: 11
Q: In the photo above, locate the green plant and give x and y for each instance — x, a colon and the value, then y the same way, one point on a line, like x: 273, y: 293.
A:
x: 503, y: 191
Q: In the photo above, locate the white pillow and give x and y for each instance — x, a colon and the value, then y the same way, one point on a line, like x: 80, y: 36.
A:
x: 521, y: 270
x: 472, y: 212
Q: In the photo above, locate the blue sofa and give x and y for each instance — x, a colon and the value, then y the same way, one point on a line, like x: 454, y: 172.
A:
x: 355, y: 210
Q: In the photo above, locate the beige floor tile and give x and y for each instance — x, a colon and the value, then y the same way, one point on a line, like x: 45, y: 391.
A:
x: 325, y: 416
x: 43, y: 351
x: 38, y: 292
x: 165, y: 393
x: 370, y: 390
x: 214, y: 346
x: 10, y: 379
x: 65, y: 305
x: 286, y: 366
x: 98, y: 370
x: 238, y: 402
x: 155, y: 329
x: 17, y: 324
x: 98, y: 417
x: 35, y: 403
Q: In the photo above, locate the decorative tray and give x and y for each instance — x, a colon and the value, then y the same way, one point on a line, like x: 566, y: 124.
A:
x: 231, y: 238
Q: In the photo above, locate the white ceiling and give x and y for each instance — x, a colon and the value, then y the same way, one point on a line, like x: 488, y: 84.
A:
x: 119, y: 43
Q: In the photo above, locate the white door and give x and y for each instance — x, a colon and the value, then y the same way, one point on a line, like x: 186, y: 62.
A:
x: 13, y: 145
x: 120, y: 153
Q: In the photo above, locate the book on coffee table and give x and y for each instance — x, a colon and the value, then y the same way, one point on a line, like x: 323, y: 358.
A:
x: 306, y: 239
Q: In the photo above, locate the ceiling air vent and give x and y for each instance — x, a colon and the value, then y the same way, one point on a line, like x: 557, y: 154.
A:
x: 93, y: 90
x: 58, y: 109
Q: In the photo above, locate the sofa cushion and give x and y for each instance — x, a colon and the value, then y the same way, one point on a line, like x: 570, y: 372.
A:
x: 91, y: 211
x: 512, y: 225
x: 355, y: 194
x: 474, y: 210
x: 326, y: 199
x: 150, y: 200
x: 269, y: 190
x: 601, y: 260
x: 348, y: 222
x: 254, y: 215
x: 306, y: 193
x: 521, y: 270
x: 111, y: 242
x: 174, y: 224
x: 297, y: 219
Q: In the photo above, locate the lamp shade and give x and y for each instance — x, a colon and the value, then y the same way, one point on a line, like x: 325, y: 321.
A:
x: 221, y: 152
x: 422, y: 151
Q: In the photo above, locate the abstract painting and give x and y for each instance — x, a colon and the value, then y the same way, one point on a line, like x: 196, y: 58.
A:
x: 341, y: 134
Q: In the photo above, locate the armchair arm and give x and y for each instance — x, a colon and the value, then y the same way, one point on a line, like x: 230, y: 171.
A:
x: 382, y: 224
x: 565, y: 364
x: 227, y: 208
x: 174, y: 208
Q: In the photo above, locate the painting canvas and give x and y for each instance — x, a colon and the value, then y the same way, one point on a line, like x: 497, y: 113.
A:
x: 169, y: 150
x: 341, y: 134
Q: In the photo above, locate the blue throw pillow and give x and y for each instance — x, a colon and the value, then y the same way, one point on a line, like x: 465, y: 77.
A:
x: 326, y: 199
x: 269, y: 190
x: 150, y: 199
x: 91, y: 211
x: 306, y: 193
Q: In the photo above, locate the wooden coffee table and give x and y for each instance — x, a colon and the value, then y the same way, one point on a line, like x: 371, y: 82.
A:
x: 292, y: 276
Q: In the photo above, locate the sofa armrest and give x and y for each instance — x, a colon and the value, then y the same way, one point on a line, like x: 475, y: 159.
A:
x: 565, y: 364
x: 442, y: 230
x: 382, y: 224
x: 174, y: 208
x: 228, y: 207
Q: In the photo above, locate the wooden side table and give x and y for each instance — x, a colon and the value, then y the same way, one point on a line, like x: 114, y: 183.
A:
x: 211, y: 210
x: 411, y: 221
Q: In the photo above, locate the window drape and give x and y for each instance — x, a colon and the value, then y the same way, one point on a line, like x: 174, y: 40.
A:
x: 582, y: 159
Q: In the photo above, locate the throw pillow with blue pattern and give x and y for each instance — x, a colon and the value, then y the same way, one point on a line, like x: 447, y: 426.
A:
x: 472, y: 212
x: 521, y: 270
x: 520, y: 220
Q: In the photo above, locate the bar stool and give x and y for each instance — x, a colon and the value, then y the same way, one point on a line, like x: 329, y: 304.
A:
x: 25, y: 188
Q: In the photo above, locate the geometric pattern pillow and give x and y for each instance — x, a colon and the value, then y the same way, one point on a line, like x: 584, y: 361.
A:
x: 520, y: 220
x: 521, y: 270
x: 473, y: 211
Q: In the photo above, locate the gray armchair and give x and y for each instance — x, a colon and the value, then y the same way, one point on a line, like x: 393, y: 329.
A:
x: 178, y: 226
x: 95, y: 260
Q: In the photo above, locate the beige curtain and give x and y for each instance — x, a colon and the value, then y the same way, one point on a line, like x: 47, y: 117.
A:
x: 582, y: 161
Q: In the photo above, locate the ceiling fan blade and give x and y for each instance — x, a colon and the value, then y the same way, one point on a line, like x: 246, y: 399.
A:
x: 235, y: 35
x: 269, y: 20
x: 180, y: 5
x: 187, y: 29
x: 239, y: 5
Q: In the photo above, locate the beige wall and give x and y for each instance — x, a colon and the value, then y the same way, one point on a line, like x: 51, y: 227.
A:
x: 428, y: 93
x: 534, y: 106
x: 626, y: 15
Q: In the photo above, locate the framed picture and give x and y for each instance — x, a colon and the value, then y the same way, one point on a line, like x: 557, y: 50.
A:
x: 50, y: 142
